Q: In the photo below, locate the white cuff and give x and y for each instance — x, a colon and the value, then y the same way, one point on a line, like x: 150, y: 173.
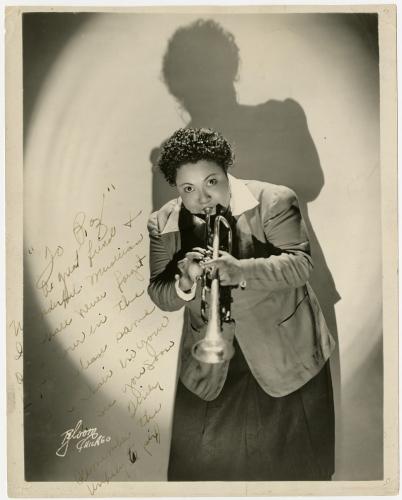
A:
x: 187, y: 296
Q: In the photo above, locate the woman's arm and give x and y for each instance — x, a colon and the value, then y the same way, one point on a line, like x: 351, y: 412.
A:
x: 285, y: 232
x: 284, y: 228
x: 162, y: 283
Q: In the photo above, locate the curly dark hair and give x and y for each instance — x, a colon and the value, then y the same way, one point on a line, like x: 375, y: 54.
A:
x: 190, y: 145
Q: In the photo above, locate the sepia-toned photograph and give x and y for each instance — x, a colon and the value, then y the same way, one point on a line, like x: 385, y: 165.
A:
x: 201, y: 251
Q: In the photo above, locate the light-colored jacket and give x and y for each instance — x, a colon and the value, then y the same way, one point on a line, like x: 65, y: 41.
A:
x: 279, y: 324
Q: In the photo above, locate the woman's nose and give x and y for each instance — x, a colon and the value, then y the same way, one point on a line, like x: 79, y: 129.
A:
x: 204, y: 197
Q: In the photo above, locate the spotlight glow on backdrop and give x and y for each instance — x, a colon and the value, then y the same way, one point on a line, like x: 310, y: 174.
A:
x: 102, y: 109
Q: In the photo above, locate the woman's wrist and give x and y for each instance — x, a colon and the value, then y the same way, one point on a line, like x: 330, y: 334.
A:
x: 185, y: 283
x: 183, y: 291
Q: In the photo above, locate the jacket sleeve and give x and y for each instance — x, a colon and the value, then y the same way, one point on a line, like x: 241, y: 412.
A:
x: 161, y: 287
x: 284, y: 228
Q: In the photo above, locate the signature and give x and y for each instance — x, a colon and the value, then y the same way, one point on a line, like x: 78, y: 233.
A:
x: 86, y: 438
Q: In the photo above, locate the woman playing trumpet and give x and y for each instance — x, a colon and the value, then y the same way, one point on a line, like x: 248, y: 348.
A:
x: 267, y: 413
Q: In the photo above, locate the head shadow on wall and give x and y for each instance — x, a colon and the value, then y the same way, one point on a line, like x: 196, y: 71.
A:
x: 271, y: 140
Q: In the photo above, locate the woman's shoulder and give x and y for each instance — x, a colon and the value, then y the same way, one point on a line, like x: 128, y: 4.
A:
x: 270, y: 194
x: 158, y: 220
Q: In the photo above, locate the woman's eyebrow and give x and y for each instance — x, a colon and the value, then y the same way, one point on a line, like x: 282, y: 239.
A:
x: 190, y: 184
x: 208, y: 176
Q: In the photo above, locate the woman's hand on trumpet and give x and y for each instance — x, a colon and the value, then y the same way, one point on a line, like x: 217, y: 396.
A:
x: 190, y: 267
x: 230, y: 270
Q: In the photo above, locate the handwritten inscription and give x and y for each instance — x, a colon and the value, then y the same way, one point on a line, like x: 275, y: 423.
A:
x: 139, y: 394
x: 115, y: 445
x: 153, y: 436
x: 93, y: 251
x: 66, y: 296
x: 131, y: 219
x: 148, y: 416
x: 95, y: 276
x: 124, y: 302
x: 104, y: 410
x: 43, y: 282
x: 87, y: 363
x: 16, y: 327
x: 16, y: 330
x: 108, y: 476
x: 134, y: 324
x: 122, y: 279
x: 83, y: 311
x: 95, y: 314
x: 62, y: 326
x: 104, y: 380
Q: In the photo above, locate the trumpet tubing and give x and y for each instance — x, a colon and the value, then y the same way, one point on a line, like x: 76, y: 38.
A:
x: 214, y: 348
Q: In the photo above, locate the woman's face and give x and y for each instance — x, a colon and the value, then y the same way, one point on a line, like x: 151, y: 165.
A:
x: 202, y: 185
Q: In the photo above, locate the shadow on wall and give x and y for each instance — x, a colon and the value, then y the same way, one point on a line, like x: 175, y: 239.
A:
x: 271, y: 140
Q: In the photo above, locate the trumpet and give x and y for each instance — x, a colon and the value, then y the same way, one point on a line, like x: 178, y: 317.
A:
x: 214, y: 348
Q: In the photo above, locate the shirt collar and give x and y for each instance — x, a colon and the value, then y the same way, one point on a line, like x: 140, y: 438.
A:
x: 241, y: 200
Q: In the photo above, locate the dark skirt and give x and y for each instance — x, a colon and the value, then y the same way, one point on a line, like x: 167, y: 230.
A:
x: 247, y: 435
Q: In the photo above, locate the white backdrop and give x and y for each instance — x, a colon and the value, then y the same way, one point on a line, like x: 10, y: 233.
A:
x: 101, y: 111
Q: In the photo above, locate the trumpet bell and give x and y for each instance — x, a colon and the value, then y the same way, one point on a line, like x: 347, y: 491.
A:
x: 214, y: 348
x: 213, y: 351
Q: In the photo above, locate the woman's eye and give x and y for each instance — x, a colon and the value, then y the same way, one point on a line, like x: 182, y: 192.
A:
x: 188, y: 189
x: 212, y: 182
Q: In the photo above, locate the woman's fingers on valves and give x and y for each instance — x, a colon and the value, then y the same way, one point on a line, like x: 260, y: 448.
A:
x: 200, y: 250
x: 194, y: 256
x: 213, y: 263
